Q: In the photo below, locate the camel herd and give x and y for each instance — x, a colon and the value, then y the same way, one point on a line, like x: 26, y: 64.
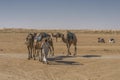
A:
x: 40, y: 44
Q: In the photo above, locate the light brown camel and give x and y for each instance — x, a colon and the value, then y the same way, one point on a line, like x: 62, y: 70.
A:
x: 70, y: 38
x: 57, y: 35
x: 29, y: 42
x: 111, y: 40
x: 38, y: 41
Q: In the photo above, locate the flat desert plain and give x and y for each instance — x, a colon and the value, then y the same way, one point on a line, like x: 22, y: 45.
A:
x: 94, y: 61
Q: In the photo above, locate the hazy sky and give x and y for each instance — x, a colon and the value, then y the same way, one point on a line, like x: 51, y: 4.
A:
x: 60, y: 14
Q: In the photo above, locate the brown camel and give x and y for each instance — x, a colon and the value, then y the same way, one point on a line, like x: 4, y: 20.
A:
x: 101, y: 40
x: 70, y: 38
x: 57, y: 35
x: 38, y: 41
x: 29, y: 42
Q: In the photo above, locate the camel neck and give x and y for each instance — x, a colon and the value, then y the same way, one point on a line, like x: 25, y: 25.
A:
x: 64, y: 40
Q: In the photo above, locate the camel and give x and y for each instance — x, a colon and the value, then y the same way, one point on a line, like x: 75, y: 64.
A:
x: 101, y: 40
x: 29, y: 42
x: 38, y: 41
x: 111, y: 40
x: 70, y: 38
x: 57, y: 35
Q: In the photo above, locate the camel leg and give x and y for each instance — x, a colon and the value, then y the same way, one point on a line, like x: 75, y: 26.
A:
x: 31, y: 53
x: 56, y: 39
x: 40, y: 55
x: 28, y: 53
x: 69, y: 49
x: 37, y: 53
x: 52, y: 50
x: 34, y: 53
x: 75, y: 50
x: 68, y: 46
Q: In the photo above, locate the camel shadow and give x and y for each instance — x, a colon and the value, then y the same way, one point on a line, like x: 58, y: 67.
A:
x: 91, y: 56
x: 59, y: 60
x: 66, y: 60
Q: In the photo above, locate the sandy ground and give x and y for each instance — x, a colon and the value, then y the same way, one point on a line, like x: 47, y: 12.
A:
x: 82, y: 67
x: 93, y: 62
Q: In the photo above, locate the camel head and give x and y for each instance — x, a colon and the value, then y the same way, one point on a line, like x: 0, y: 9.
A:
x: 53, y: 35
x: 62, y: 35
x: 29, y: 38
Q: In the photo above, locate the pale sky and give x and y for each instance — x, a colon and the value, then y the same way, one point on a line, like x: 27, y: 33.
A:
x: 60, y: 14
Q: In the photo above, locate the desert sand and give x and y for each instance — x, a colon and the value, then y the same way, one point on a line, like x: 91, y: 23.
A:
x: 94, y: 61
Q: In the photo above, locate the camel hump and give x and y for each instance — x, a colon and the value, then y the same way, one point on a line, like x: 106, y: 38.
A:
x: 70, y: 35
x: 38, y: 38
x: 43, y: 34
